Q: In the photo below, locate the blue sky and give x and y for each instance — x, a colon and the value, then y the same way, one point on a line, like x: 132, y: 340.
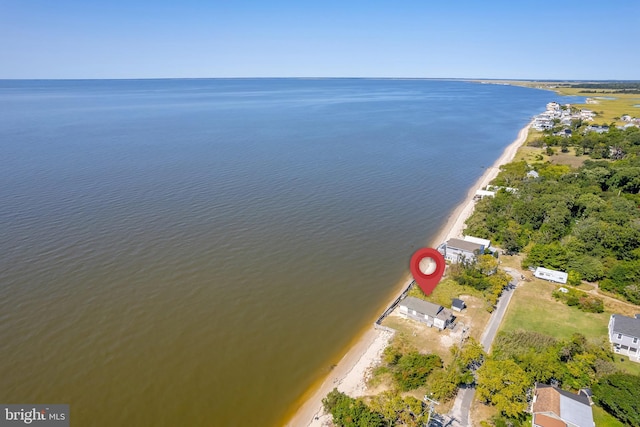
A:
x: 350, y: 38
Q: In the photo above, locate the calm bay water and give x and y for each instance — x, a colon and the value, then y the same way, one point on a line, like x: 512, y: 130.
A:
x: 199, y: 252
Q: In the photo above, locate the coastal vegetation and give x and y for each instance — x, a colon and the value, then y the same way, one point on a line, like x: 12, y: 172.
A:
x: 618, y: 394
x: 569, y: 202
x: 522, y: 358
x: 577, y: 298
x: 584, y: 221
x: 409, y: 370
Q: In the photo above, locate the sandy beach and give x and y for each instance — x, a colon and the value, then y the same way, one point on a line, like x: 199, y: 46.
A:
x: 349, y: 376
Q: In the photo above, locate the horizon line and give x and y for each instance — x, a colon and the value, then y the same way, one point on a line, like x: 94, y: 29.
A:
x: 324, y: 78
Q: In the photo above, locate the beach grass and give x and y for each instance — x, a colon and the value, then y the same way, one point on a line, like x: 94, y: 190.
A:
x: 533, y: 308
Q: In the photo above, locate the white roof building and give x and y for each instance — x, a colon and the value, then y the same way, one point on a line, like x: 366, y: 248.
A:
x: 551, y: 275
x: 484, y: 242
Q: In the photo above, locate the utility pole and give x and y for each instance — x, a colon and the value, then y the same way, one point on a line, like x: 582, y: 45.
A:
x: 431, y: 404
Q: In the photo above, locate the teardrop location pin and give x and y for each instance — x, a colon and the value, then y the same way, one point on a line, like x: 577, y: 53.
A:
x: 427, y: 267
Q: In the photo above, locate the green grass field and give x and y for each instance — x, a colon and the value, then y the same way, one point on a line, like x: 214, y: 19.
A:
x: 533, y: 308
x: 446, y: 290
x: 623, y: 363
x: 603, y: 419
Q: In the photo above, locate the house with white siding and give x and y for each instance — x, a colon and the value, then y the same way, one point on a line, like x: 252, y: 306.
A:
x: 425, y: 312
x: 624, y: 335
x: 457, y: 250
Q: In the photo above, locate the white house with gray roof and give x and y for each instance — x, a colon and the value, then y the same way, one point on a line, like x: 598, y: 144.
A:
x: 425, y: 312
x: 456, y: 250
x: 624, y: 334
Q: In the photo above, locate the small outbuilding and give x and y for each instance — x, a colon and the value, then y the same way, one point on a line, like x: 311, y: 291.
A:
x: 458, y: 305
x: 551, y: 275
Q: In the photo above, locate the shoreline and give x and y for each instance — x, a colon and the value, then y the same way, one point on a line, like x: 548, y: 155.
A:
x: 349, y: 374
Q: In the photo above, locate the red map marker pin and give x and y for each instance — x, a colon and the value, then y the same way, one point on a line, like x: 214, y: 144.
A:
x: 427, y: 267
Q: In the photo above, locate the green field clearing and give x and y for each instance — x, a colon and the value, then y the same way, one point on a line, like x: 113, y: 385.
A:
x: 603, y: 419
x: 623, y: 363
x: 533, y: 308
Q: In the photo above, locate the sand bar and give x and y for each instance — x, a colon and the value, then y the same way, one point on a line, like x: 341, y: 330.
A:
x: 349, y: 374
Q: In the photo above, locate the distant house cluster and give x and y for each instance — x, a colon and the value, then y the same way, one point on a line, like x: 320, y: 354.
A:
x: 624, y: 335
x: 555, y: 113
x: 564, y: 115
x: 630, y: 121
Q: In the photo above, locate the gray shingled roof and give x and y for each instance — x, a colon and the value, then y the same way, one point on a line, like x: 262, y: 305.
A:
x: 421, y: 306
x: 626, y: 325
x: 456, y: 302
x: 464, y: 245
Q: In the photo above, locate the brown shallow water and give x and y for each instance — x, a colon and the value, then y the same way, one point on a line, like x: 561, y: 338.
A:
x: 200, y: 252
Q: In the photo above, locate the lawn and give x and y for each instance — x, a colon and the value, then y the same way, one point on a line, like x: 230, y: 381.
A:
x: 623, y: 363
x: 603, y: 419
x: 534, y: 309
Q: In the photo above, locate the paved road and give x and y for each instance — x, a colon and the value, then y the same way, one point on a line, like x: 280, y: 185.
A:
x: 461, y: 407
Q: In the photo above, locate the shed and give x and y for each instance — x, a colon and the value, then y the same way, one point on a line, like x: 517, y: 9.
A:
x: 551, y: 275
x: 458, y: 305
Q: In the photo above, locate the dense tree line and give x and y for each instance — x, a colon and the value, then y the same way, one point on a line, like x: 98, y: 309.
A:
x: 585, y: 221
x: 613, y: 144
x: 619, y: 394
x: 607, y: 85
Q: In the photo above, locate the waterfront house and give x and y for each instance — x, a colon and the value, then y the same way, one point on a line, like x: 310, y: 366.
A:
x: 551, y: 275
x: 553, y: 407
x: 457, y: 250
x: 624, y: 335
x: 498, y: 187
x: 481, y: 194
x: 425, y: 312
x: 484, y: 242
